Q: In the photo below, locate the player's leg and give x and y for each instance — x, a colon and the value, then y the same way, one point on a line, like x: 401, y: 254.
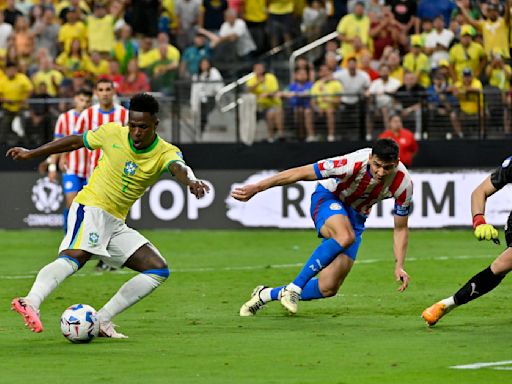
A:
x: 145, y: 259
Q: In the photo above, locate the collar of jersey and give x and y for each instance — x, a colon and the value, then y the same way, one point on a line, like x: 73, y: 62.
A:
x: 143, y: 150
x: 111, y: 110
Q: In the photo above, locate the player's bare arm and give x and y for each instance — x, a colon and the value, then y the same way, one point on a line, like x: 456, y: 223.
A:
x: 66, y: 144
x: 290, y: 176
x: 400, y: 242
x: 185, y: 176
x: 480, y: 195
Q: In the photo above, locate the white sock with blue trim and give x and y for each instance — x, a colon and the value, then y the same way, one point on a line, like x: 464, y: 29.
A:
x: 49, y: 278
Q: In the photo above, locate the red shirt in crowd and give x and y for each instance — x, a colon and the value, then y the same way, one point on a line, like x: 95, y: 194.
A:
x: 406, y: 142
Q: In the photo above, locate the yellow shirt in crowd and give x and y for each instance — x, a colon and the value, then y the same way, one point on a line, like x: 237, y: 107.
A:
x: 469, y: 101
x: 255, y: 11
x: 420, y: 66
x: 280, y: 7
x: 69, y: 32
x: 100, y: 33
x: 351, y: 26
x: 495, y: 35
x: 51, y: 78
x: 324, y: 91
x: 269, y: 85
x: 15, y: 91
x: 469, y: 57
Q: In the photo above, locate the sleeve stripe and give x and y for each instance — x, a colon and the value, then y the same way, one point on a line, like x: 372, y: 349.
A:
x: 86, y: 143
x: 317, y: 171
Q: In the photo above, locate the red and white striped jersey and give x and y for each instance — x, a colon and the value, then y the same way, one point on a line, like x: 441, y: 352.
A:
x: 349, y: 178
x: 94, y: 117
x: 77, y: 161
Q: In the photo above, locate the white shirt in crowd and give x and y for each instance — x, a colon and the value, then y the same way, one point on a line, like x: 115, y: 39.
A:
x: 5, y: 31
x: 352, y: 85
x: 245, y: 43
x: 443, y: 39
x: 380, y: 89
x: 204, y: 85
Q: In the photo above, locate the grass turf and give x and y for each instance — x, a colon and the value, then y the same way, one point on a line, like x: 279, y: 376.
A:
x: 189, y: 330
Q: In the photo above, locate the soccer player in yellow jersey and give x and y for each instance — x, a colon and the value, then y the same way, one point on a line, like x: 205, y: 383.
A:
x: 134, y: 157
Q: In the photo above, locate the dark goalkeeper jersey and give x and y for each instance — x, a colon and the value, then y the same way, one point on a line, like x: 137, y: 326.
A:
x: 503, y: 174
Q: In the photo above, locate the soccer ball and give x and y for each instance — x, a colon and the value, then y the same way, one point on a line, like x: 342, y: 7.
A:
x: 79, y: 323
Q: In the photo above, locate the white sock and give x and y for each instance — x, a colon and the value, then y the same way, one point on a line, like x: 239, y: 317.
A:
x: 295, y: 288
x: 265, y: 295
x: 48, y: 278
x: 449, y: 302
x: 131, y: 292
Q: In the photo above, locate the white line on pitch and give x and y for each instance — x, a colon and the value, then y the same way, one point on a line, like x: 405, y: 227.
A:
x: 257, y: 267
x: 485, y: 365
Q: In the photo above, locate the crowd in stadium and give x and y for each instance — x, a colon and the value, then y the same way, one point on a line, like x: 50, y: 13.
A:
x: 436, y: 55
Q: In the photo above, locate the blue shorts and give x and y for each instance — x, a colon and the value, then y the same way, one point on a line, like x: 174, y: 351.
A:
x: 73, y: 183
x: 325, y: 204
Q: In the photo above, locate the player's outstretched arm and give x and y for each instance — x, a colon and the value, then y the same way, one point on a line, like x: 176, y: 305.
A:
x: 483, y: 231
x: 400, y: 242
x: 185, y: 176
x: 290, y: 176
x: 66, y: 144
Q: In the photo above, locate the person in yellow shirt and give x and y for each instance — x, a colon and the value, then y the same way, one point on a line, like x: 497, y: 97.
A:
x: 15, y: 88
x: 417, y: 62
x: 145, y: 56
x: 467, y: 53
x: 47, y: 75
x: 150, y: 57
x: 97, y: 66
x: 469, y: 93
x: 71, y: 30
x: 396, y: 71
x: 254, y: 13
x: 352, y: 25
x: 326, y: 99
x: 265, y: 87
x: 134, y: 157
x: 280, y: 20
x: 499, y: 75
x: 73, y: 61
x: 100, y: 30
x: 495, y: 29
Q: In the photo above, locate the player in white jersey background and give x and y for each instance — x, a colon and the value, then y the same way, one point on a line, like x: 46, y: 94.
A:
x: 105, y: 111
x: 348, y: 187
x: 73, y: 165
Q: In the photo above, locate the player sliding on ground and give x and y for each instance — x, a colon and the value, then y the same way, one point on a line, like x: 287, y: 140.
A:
x: 134, y: 157
x: 349, y: 186
x: 489, y: 278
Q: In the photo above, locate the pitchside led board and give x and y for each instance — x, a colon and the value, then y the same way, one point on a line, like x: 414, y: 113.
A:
x: 441, y: 199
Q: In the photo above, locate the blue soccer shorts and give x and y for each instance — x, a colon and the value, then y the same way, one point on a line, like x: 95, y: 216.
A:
x: 325, y: 204
x: 73, y: 183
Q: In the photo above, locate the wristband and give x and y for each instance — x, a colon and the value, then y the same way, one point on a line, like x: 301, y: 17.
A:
x: 478, y: 219
x: 52, y: 168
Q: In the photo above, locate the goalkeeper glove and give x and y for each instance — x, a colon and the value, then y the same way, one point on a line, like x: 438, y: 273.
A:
x: 484, y: 231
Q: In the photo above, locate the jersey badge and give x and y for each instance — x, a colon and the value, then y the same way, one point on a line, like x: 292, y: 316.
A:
x: 129, y: 168
x: 335, y: 207
x: 93, y: 239
x: 506, y: 162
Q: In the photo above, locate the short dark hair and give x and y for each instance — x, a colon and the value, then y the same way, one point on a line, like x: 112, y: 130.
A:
x: 386, y: 150
x: 102, y: 80
x: 144, y: 102
x: 84, y: 91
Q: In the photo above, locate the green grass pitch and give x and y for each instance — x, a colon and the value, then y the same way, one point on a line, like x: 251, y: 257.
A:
x: 189, y: 331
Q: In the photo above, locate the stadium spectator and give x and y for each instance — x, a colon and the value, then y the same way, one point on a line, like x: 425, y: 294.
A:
x: 73, y: 60
x: 336, y: 9
x: 359, y: 50
x: 6, y: 30
x: 146, y: 53
x: 205, y: 85
x: 417, y: 62
x: 234, y: 30
x: 23, y: 38
x: 255, y: 16
x: 100, y: 30
x: 11, y: 12
x: 495, y: 29
x: 299, y: 100
x: 265, y: 87
x: 303, y: 63
x: 410, y: 96
x: 442, y: 103
x: 281, y: 21
x: 134, y: 81
x: 114, y: 74
x: 469, y: 93
x: 163, y: 71
x: 40, y: 111
x: 80, y: 6
x: 443, y: 67
x: 404, y: 138
x: 404, y: 11
x: 313, y: 20
x: 325, y: 99
x: 188, y: 13
x: 212, y: 14
x: 465, y: 54
x: 352, y: 25
x: 331, y: 60
x: 193, y: 55
x: 355, y: 82
x: 72, y: 29
x: 73, y: 165
x: 391, y: 57
x: 15, y: 89
x: 438, y: 42
x: 97, y: 66
x: 385, y: 31
x: 119, y: 245
x: 499, y: 75
x: 365, y: 66
x: 46, y: 74
x: 375, y: 10
x: 473, y: 11
x: 430, y: 9
x: 145, y: 17
x: 351, y: 185
x: 46, y: 32
x: 489, y: 278
x: 125, y: 48
x: 381, y: 93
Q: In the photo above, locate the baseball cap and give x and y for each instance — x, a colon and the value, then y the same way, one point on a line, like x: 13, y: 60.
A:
x: 416, y: 41
x: 466, y: 29
x: 467, y: 72
x: 443, y: 63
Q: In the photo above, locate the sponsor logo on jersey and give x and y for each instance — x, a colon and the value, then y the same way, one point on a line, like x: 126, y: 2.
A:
x: 335, y: 207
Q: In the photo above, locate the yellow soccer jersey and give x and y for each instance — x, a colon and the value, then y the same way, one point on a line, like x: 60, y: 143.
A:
x: 123, y: 173
x: 418, y: 65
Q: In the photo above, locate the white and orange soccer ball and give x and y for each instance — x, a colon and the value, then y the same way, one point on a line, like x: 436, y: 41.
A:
x: 79, y: 323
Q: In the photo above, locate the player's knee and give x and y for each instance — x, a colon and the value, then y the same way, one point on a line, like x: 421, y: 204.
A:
x: 345, y: 239
x: 329, y: 290
x: 158, y: 274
